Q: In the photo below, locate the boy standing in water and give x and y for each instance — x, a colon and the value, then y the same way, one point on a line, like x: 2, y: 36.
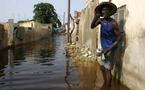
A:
x: 110, y: 37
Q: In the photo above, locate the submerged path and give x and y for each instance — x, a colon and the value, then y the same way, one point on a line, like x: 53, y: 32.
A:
x: 43, y: 65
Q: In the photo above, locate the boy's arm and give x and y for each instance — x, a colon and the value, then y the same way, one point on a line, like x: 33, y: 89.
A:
x: 96, y: 21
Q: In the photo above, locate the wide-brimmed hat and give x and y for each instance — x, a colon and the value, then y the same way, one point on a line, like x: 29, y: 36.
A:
x: 112, y: 7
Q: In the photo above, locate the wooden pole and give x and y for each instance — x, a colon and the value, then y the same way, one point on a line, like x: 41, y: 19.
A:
x: 63, y: 18
x: 68, y: 25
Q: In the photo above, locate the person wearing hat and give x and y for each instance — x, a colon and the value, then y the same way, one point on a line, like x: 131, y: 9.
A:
x: 110, y: 37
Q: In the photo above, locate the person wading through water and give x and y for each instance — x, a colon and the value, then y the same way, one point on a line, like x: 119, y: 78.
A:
x: 110, y: 37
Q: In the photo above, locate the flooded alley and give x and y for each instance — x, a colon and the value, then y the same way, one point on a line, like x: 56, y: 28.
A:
x: 43, y: 65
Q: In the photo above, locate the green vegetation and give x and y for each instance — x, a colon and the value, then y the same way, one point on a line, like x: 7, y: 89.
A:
x: 45, y: 13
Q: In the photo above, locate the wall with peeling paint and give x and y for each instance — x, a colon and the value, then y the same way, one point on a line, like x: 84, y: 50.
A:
x: 88, y: 36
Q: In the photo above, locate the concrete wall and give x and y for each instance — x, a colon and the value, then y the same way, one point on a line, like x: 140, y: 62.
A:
x: 26, y: 32
x: 134, y: 58
x: 117, y: 2
x: 27, y: 24
x: 87, y: 36
x: 9, y: 29
x: 35, y: 30
x: 2, y: 32
x: 6, y: 35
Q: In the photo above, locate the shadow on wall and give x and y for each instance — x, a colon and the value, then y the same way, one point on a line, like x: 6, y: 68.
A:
x: 18, y: 35
x: 3, y: 61
x: 3, y: 37
x: 26, y: 35
x: 120, y: 17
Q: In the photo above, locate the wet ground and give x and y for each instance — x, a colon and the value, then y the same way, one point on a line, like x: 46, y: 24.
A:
x: 42, y: 65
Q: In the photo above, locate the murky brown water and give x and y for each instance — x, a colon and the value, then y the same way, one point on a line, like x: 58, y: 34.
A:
x: 43, y: 66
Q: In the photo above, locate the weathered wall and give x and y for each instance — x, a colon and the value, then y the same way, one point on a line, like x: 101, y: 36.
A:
x: 2, y: 32
x: 87, y: 36
x: 9, y: 29
x: 42, y: 30
x: 27, y: 24
x: 34, y: 30
x: 118, y: 3
x: 26, y: 32
x: 6, y: 35
x: 134, y: 58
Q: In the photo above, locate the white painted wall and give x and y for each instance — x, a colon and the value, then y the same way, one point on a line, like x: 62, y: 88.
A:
x: 9, y: 30
x: 27, y: 24
x: 134, y: 59
x: 118, y: 3
x: 87, y: 36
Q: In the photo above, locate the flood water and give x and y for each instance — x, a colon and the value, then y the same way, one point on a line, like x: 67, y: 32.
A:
x: 43, y: 65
